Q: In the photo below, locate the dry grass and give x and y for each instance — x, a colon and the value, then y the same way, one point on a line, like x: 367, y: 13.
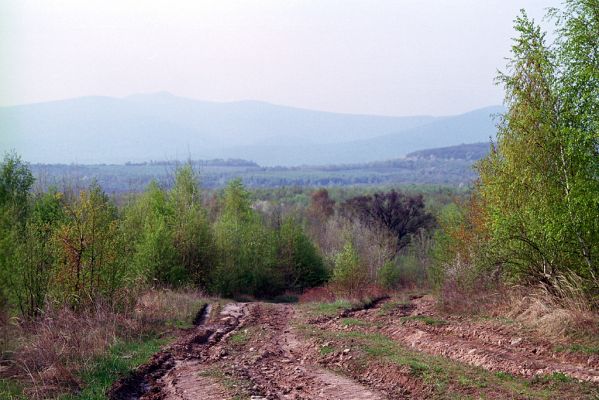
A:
x: 158, y: 308
x: 562, y: 316
x: 330, y: 293
x: 53, y: 350
x: 562, y: 311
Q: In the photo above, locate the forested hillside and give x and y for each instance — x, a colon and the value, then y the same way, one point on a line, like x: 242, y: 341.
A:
x: 455, y: 170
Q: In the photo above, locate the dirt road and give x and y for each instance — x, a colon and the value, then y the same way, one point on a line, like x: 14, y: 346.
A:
x: 395, y: 350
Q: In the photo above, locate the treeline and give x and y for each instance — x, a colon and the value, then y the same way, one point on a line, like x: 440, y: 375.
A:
x: 533, y: 218
x: 135, y: 177
x: 75, y: 247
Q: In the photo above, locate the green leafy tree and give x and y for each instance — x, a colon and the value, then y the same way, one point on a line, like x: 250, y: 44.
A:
x: 246, y: 248
x: 299, y: 261
x: 90, y: 251
x: 348, y: 274
x: 16, y: 180
x: 540, y: 183
x: 36, y: 256
x: 191, y: 233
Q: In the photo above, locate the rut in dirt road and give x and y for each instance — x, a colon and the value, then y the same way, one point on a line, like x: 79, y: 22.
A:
x: 271, y: 365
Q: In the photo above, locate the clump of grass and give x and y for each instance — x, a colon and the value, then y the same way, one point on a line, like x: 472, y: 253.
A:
x: 326, y: 349
x: 577, y: 348
x: 240, y: 338
x: 234, y: 385
x: 169, y: 308
x: 329, y: 309
x: 10, y: 390
x: 426, y: 319
x: 353, y: 322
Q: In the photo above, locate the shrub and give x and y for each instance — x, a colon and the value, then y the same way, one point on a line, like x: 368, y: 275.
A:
x: 298, y: 259
x: 348, y: 274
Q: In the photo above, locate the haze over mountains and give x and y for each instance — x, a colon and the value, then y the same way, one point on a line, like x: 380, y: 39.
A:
x: 161, y: 126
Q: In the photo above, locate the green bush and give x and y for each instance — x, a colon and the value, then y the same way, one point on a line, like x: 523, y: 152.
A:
x: 349, y: 275
x: 298, y: 259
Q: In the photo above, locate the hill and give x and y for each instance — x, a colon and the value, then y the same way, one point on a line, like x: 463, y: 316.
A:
x: 162, y: 126
x: 473, y: 151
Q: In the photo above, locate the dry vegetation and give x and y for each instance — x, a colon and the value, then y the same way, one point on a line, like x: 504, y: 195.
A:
x: 49, y: 355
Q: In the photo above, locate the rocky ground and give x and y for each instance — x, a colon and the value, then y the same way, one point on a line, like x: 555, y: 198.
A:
x: 398, y: 348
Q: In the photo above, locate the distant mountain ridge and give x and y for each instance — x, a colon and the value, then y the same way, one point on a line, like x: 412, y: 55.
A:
x: 471, y: 152
x: 161, y: 126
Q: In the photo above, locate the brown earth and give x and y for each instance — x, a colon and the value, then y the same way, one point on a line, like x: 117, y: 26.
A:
x: 390, y: 351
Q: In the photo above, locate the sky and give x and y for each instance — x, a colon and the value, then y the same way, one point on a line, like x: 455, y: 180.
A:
x: 389, y: 57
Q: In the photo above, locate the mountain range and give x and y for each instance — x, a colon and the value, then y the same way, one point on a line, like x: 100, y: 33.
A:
x: 161, y: 126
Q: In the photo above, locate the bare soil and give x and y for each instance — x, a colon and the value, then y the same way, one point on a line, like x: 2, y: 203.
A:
x: 392, y: 350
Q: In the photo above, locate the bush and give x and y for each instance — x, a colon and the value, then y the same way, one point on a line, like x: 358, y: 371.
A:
x: 298, y: 259
x: 348, y: 274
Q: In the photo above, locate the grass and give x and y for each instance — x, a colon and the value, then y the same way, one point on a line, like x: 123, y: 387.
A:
x: 426, y: 319
x: 390, y: 306
x: 120, y: 360
x: 240, y: 338
x: 10, y: 390
x: 578, y: 348
x: 328, y: 309
x: 354, y: 322
x: 230, y: 383
x: 448, y: 378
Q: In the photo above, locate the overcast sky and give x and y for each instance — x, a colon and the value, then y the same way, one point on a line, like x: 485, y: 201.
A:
x: 396, y: 57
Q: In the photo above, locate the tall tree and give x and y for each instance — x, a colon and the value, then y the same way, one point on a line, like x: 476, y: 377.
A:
x: 540, y: 183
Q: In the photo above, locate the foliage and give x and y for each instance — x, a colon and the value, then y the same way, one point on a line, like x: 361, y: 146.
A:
x: 540, y: 184
x: 321, y: 205
x: 300, y: 263
x: 90, y: 247
x: 348, y: 274
x: 403, y: 215
x: 246, y: 250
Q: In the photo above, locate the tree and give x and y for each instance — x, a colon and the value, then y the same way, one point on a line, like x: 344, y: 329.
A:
x: 192, y: 238
x: 321, y: 205
x: 35, y: 255
x: 90, y: 247
x: 348, y: 274
x: 298, y: 259
x: 16, y: 180
x: 540, y: 183
x: 402, y: 214
x: 246, y: 248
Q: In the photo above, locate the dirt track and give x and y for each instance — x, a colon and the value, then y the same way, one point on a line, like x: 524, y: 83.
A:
x: 273, y: 351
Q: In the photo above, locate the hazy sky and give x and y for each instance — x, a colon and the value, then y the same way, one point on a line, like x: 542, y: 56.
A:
x: 396, y: 57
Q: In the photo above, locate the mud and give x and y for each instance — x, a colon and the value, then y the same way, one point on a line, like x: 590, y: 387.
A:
x: 261, y: 351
